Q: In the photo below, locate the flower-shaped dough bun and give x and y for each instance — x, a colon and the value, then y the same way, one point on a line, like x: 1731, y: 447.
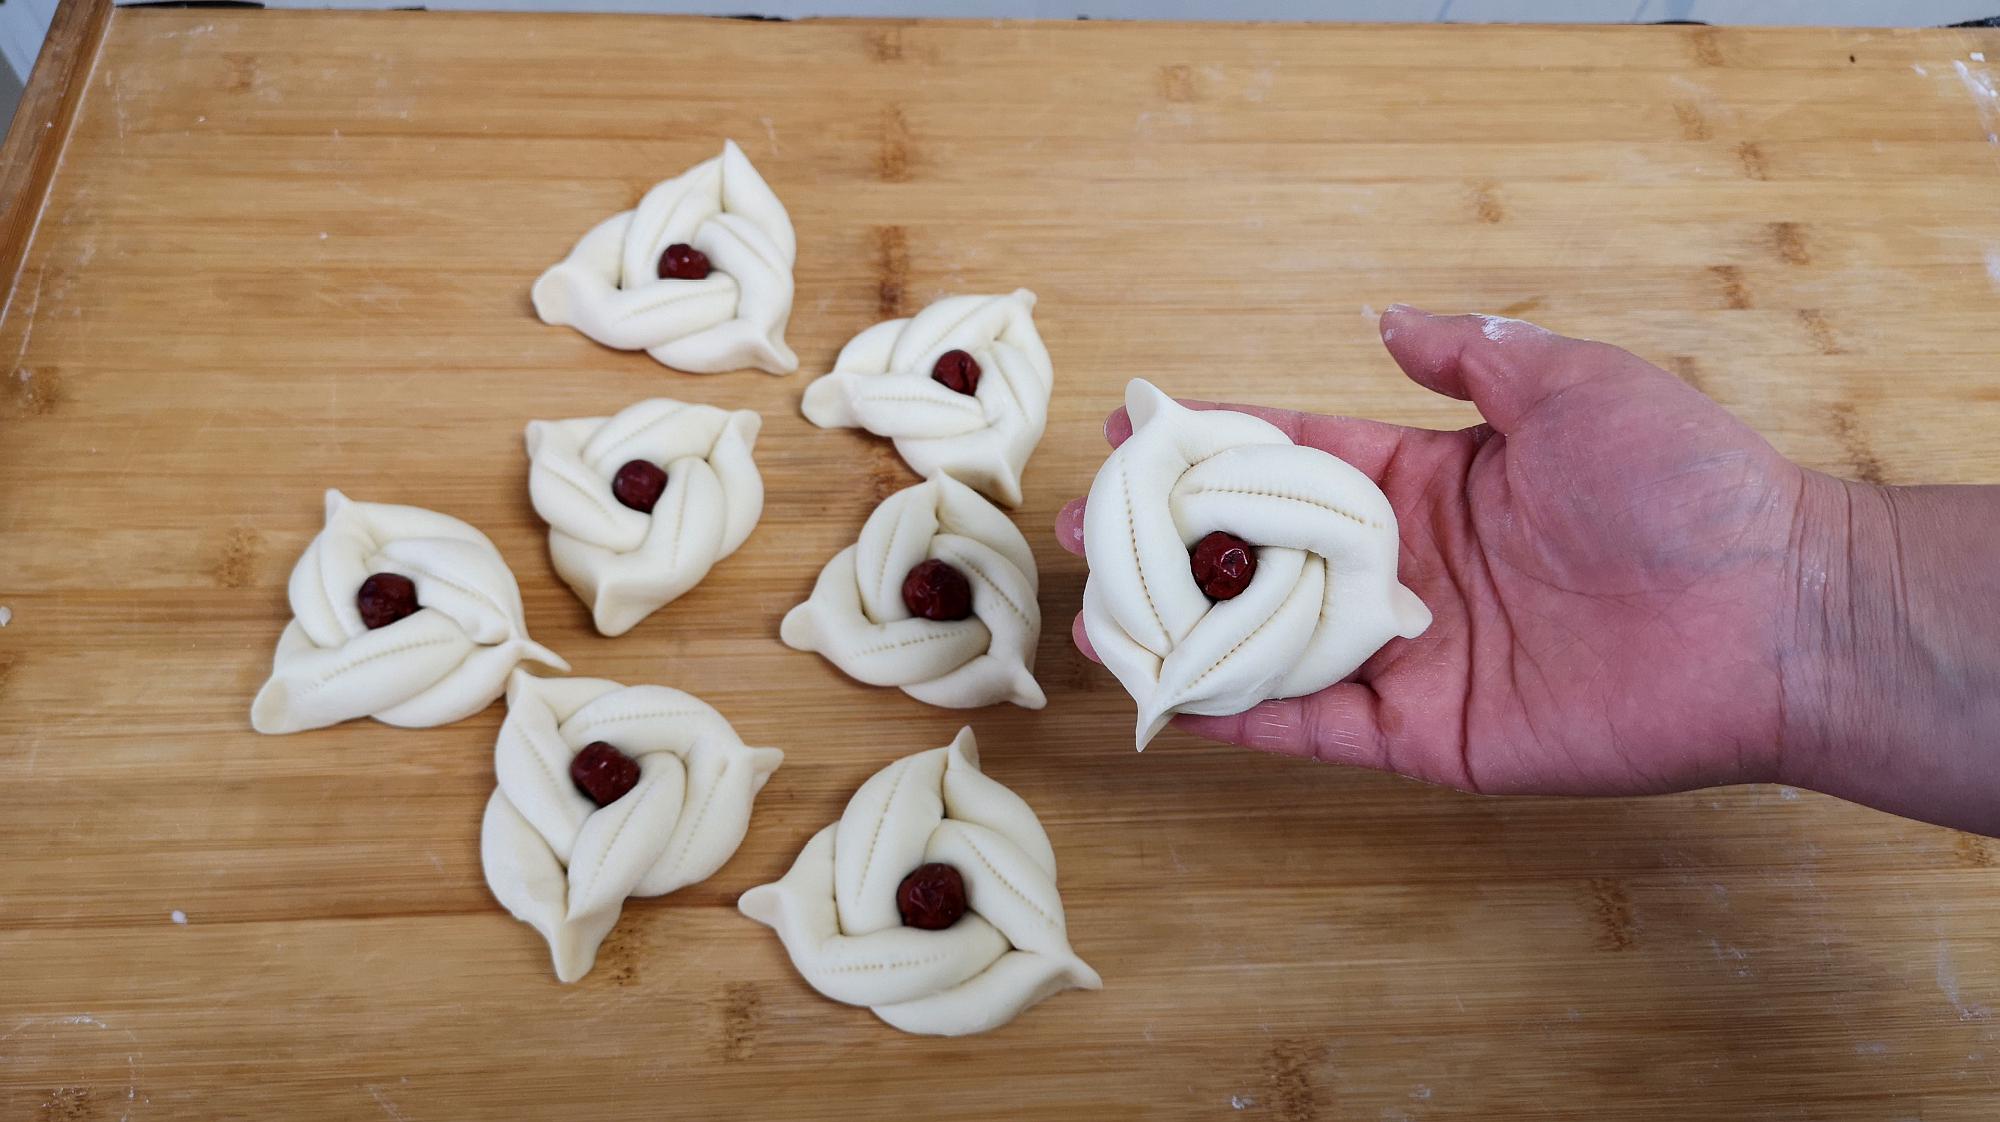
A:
x: 611, y: 287
x: 1324, y: 596
x: 838, y: 914
x: 564, y: 864
x: 444, y: 662
x: 626, y: 562
x: 858, y: 618
x: 883, y: 382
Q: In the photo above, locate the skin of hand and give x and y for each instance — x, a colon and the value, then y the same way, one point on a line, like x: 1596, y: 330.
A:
x: 1635, y: 593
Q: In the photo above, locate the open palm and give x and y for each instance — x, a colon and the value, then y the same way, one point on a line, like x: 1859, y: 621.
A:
x: 1606, y: 560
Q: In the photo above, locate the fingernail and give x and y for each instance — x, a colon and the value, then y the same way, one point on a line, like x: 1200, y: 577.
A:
x: 1409, y: 309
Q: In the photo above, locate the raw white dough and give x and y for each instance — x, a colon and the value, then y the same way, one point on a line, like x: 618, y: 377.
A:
x: 857, y: 619
x: 442, y: 664
x: 882, y: 382
x: 625, y: 563
x: 563, y: 864
x: 836, y: 911
x: 1325, y: 595
x: 610, y: 288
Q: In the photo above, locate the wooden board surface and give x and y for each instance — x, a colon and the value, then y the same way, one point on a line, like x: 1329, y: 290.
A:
x: 289, y: 251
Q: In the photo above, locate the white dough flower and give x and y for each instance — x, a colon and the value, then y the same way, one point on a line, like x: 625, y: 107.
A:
x: 624, y: 562
x: 444, y: 663
x: 565, y: 865
x: 837, y: 912
x: 610, y: 287
x: 1324, y: 596
x: 858, y: 619
x: 882, y: 382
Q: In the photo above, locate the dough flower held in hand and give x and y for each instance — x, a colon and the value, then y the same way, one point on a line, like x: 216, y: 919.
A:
x: 699, y: 275
x: 932, y: 901
x: 642, y: 504
x: 1229, y: 565
x: 398, y: 613
x: 937, y: 598
x: 609, y: 791
x: 963, y: 387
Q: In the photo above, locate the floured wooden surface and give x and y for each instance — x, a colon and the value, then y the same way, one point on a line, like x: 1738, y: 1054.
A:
x: 291, y: 251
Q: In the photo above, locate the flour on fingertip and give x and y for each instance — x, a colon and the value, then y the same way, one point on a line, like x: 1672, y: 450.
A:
x: 1502, y: 329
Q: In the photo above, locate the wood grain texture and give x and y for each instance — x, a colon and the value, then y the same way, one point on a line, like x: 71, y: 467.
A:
x: 292, y: 250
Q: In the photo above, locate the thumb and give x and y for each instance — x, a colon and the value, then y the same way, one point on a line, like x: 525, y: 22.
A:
x: 1504, y: 366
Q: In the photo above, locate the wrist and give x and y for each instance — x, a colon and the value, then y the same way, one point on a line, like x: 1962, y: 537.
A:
x: 1889, y: 674
x: 1816, y: 644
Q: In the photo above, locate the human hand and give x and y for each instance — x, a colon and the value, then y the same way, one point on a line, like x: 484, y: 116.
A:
x: 1610, y: 561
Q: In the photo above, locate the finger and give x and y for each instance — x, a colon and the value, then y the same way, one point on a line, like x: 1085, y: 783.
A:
x: 1338, y: 725
x: 1118, y: 427
x: 1504, y: 366
x: 1082, y: 639
x: 1069, y: 526
x: 1368, y: 445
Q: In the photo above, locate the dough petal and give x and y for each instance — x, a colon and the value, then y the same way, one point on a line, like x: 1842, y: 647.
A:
x: 995, y: 996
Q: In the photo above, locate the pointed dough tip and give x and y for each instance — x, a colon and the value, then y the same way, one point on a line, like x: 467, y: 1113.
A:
x: 551, y: 298
x: 1144, y: 401
x: 761, y: 904
x: 1028, y: 692
x: 543, y: 655
x: 1413, y: 616
x: 1082, y: 976
x: 797, y: 630
x: 268, y: 711
x: 1150, y: 726
x: 825, y: 403
x: 965, y: 746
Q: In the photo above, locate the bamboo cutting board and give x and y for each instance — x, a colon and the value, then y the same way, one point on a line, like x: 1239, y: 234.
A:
x: 281, y: 252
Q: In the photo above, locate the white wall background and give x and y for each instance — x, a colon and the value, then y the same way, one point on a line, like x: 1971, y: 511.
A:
x: 23, y: 23
x: 1860, y: 13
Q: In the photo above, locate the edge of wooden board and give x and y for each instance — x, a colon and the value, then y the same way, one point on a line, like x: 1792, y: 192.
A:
x: 42, y: 123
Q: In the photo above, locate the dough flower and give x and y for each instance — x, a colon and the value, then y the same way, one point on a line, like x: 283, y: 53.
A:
x: 887, y: 381
x: 859, y: 615
x: 728, y: 313
x: 624, y: 561
x: 839, y: 914
x: 1324, y: 596
x: 444, y: 658
x: 564, y: 864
